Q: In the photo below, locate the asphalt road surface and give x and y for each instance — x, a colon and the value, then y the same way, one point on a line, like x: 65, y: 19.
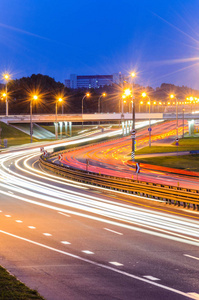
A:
x: 71, y: 241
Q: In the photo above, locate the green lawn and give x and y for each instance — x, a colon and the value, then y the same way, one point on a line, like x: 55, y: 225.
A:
x: 185, y: 162
x: 185, y: 144
x: 14, y: 136
x: 11, y: 288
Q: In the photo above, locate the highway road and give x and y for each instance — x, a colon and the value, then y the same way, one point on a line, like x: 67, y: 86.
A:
x: 72, y: 241
x: 111, y: 158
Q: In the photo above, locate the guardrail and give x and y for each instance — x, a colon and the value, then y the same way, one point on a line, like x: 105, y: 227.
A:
x: 188, y: 198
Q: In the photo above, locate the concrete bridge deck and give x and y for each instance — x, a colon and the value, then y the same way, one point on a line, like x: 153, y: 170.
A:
x: 93, y: 117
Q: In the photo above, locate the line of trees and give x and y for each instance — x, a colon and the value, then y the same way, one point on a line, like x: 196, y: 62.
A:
x: 48, y: 90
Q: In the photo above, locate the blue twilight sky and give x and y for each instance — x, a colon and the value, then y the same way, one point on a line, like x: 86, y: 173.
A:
x: 158, y: 38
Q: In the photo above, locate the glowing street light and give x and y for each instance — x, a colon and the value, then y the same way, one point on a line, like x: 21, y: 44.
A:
x: 87, y: 95
x: 133, y: 74
x: 127, y: 92
x: 6, y: 77
x: 34, y: 97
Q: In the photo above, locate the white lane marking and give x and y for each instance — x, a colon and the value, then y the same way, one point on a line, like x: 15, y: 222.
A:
x: 10, y: 192
x: 59, y: 212
x: 115, y: 263
x: 151, y: 277
x: 87, y: 252
x: 162, y: 233
x: 194, y: 295
x: 47, y: 234
x: 65, y: 243
x: 98, y: 264
x: 187, y: 255
x: 32, y: 227
x: 113, y: 231
x: 8, y: 216
x: 18, y: 221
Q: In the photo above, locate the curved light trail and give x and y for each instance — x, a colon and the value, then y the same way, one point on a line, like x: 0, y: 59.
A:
x: 21, y: 179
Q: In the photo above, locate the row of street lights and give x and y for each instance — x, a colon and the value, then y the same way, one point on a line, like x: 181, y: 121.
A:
x: 128, y: 92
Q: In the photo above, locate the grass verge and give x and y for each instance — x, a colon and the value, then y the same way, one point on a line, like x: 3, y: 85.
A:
x: 184, y: 162
x: 185, y: 144
x: 11, y: 288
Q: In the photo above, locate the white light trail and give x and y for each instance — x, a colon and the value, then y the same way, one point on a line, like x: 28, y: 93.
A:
x: 46, y: 189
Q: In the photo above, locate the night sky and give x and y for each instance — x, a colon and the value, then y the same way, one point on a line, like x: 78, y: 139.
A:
x: 158, y: 38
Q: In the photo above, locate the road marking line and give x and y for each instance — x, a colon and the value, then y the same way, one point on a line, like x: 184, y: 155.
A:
x: 8, y: 216
x: 65, y: 243
x: 87, y: 252
x: 32, y: 227
x: 99, y: 265
x: 151, y: 277
x: 10, y: 192
x: 47, y: 234
x: 113, y: 231
x: 18, y: 221
x: 187, y: 255
x: 115, y: 263
x: 59, y: 212
x: 147, y: 229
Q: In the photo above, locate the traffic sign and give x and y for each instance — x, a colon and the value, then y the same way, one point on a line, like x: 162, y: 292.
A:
x: 60, y: 157
x: 137, y: 168
x: 177, y: 139
x: 41, y: 149
x: 133, y: 136
x: 45, y: 153
x: 149, y: 129
x: 133, y: 131
x: 177, y: 144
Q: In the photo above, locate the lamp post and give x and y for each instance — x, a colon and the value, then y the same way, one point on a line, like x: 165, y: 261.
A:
x: 35, y: 97
x: 6, y: 78
x: 172, y: 97
x: 123, y: 101
x: 58, y: 101
x: 149, y: 129
x: 183, y: 121
x: 140, y: 103
x: 87, y: 95
x: 102, y: 95
x: 133, y: 75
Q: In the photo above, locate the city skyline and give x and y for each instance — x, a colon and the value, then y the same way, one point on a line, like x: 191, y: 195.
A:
x: 160, y: 43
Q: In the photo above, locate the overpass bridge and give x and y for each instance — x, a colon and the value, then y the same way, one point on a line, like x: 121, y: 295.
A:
x: 94, y: 117
x: 66, y: 120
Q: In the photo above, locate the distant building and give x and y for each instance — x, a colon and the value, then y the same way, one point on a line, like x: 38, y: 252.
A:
x: 93, y: 81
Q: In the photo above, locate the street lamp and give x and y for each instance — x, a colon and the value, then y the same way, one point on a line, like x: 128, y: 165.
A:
x: 102, y: 95
x: 133, y: 75
x: 56, y: 103
x: 140, y: 103
x: 6, y: 78
x: 172, y: 97
x: 34, y: 97
x: 87, y: 95
x: 149, y: 103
